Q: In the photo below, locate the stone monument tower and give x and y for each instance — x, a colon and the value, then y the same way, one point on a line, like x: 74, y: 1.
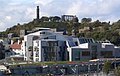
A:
x: 37, y: 12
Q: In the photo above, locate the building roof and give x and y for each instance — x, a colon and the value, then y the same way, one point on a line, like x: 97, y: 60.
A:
x: 82, y: 46
x: 16, y: 56
x: 86, y: 40
x: 2, y: 67
x: 15, y: 46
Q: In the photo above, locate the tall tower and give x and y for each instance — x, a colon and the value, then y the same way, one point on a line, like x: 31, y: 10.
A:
x: 37, y: 12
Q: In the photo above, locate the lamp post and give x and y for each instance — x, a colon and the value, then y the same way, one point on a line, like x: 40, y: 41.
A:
x: 77, y: 72
x: 97, y: 67
x: 115, y: 63
x: 89, y: 69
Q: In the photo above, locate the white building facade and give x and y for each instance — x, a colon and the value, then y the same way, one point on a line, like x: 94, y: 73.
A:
x: 45, y: 45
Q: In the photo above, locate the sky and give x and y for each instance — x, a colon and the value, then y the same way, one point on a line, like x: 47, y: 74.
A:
x: 13, y: 12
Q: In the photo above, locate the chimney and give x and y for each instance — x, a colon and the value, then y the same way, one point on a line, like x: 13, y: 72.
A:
x: 18, y: 41
x: 37, y: 12
x: 12, y: 42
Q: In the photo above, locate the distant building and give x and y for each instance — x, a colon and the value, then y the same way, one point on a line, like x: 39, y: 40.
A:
x: 16, y: 48
x: 85, y: 29
x: 23, y: 33
x: 68, y: 18
x: 8, y: 53
x: 10, y: 35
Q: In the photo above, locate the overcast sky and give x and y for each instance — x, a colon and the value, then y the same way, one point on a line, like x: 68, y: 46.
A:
x: 23, y: 11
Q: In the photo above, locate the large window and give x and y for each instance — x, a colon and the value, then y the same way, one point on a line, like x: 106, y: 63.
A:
x: 85, y: 53
x: 49, y: 53
x: 94, y: 48
x: 77, y: 55
x: 94, y: 51
x: 107, y: 53
x: 37, y: 51
x: 53, y: 43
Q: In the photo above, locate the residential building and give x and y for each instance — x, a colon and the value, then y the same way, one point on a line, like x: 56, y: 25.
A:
x: 16, y: 48
x: 48, y: 45
x: 85, y: 29
x: 49, y: 50
x: 23, y: 33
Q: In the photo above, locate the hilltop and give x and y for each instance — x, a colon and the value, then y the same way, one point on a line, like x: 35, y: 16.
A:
x: 86, y: 28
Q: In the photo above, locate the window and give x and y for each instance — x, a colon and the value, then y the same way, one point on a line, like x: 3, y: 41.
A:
x: 77, y: 55
x: 94, y: 48
x: 49, y: 54
x: 53, y: 43
x: 76, y: 43
x: 37, y: 54
x: 37, y: 59
x: 36, y: 49
x: 25, y: 43
x: 35, y: 37
x: 85, y: 53
x: 106, y: 53
x: 94, y: 51
x: 52, y: 37
x: 42, y: 32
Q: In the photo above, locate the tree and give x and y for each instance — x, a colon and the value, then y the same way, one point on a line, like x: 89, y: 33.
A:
x: 54, y: 18
x: 117, y: 71
x: 44, y: 18
x: 106, y: 67
x: 96, y: 23
x: 86, y: 20
x: 51, y: 18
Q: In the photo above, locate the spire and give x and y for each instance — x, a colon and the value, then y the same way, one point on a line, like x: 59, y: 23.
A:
x: 37, y: 12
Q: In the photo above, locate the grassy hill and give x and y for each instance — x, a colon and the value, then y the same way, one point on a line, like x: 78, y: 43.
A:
x: 99, y: 30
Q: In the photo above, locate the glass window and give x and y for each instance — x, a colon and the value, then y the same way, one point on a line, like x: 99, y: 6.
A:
x: 37, y: 54
x: 42, y: 32
x: 77, y: 55
x: 106, y: 53
x: 85, y: 53
x: 94, y: 48
x: 37, y: 59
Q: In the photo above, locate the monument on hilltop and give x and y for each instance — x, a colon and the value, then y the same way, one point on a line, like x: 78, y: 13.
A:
x: 37, y: 12
x: 37, y: 19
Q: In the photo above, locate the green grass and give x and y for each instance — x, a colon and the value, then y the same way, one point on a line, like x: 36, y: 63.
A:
x: 46, y: 63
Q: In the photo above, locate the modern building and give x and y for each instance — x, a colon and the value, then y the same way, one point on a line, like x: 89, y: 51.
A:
x: 49, y: 50
x: 47, y: 45
x: 88, y: 49
x: 44, y: 45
